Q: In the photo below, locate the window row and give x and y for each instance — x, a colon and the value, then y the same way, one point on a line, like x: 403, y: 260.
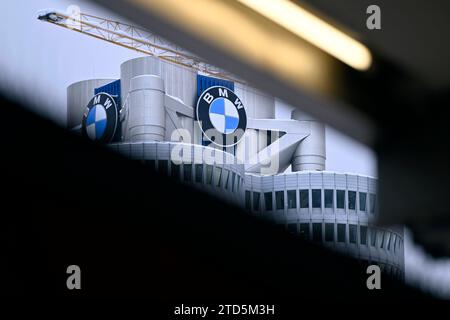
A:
x: 314, y: 198
x: 351, y: 233
x: 199, y: 173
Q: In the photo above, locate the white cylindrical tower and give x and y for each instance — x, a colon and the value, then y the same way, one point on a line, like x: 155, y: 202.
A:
x: 145, y: 114
x: 311, y: 152
x: 179, y: 82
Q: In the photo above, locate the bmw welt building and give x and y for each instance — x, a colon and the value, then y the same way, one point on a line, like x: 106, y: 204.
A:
x: 222, y: 137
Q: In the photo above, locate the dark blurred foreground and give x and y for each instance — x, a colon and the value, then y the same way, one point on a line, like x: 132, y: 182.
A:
x: 136, y: 234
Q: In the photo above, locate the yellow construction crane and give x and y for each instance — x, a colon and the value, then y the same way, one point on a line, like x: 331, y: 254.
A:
x: 131, y: 37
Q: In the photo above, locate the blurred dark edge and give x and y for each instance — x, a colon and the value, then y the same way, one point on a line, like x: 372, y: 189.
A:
x: 138, y: 235
x: 410, y: 131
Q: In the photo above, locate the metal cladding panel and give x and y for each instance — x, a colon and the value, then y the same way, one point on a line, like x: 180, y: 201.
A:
x: 328, y: 180
x: 352, y: 182
x: 163, y: 150
x: 279, y: 182
x: 267, y: 183
x: 303, y: 181
x: 78, y: 96
x: 291, y: 181
x: 137, y: 151
x: 150, y: 151
x: 316, y: 180
x: 341, y: 181
x: 372, y: 185
x: 249, y: 182
x: 254, y: 182
x: 363, y: 183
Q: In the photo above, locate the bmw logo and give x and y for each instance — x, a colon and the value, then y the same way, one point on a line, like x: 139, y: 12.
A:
x: 100, y: 118
x: 221, y: 116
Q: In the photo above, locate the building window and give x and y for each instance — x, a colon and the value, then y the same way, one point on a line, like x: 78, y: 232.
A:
x: 292, y: 228
x: 317, y: 198
x: 341, y: 232
x: 340, y: 199
x: 362, y: 201
x: 269, y: 137
x: 175, y: 170
x: 279, y: 199
x: 388, y: 241
x: 247, y: 200
x: 381, y: 238
x: 304, y: 198
x: 373, y: 237
x: 317, y: 232
x: 187, y: 170
x: 199, y: 173
x: 328, y: 198
x: 162, y: 166
x: 394, y: 242
x: 304, y: 231
x: 217, y: 176
x: 329, y: 232
x: 256, y: 201
x: 209, y: 174
x: 372, y: 202
x: 268, y: 201
x: 292, y: 199
x: 233, y: 178
x: 226, y: 175
x: 363, y: 235
x: 352, y: 233
x: 352, y: 200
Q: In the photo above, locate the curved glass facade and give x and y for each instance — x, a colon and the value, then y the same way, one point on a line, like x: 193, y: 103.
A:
x: 212, y: 170
x: 334, y: 209
x: 331, y: 208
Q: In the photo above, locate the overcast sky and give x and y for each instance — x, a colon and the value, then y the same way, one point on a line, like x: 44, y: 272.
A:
x: 39, y: 60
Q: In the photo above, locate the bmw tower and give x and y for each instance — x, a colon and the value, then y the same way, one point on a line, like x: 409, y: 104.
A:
x: 222, y: 137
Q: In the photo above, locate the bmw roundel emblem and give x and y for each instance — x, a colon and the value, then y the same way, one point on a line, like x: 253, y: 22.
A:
x: 221, y: 116
x: 100, y: 118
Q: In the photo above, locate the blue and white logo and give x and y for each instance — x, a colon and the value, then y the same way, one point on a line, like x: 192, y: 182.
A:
x: 224, y: 116
x: 100, y: 118
x: 96, y: 122
x: 221, y: 116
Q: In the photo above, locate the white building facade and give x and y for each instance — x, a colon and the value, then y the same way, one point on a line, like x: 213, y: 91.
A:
x: 151, y: 114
